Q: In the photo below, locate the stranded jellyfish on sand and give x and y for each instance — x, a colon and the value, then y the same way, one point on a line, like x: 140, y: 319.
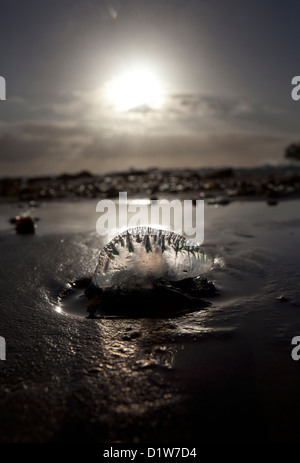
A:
x: 146, y: 268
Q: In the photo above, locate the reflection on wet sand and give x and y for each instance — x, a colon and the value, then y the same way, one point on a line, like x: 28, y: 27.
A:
x: 133, y: 360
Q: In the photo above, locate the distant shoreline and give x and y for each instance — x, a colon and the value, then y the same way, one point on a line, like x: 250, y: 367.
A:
x: 263, y: 182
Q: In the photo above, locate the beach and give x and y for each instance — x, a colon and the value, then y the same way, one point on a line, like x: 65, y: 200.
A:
x: 220, y: 374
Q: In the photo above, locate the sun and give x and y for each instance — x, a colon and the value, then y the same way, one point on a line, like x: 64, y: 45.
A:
x: 134, y: 88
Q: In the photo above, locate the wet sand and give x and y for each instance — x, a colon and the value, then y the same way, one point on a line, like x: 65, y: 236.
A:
x: 222, y: 374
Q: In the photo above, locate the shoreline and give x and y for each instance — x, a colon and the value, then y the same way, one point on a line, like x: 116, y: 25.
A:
x: 268, y: 183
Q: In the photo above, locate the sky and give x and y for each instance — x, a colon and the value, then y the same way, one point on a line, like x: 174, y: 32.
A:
x: 111, y: 85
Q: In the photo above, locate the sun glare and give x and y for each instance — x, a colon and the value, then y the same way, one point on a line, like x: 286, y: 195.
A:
x: 135, y: 88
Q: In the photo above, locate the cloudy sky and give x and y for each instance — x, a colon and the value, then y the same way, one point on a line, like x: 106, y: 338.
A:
x: 115, y: 84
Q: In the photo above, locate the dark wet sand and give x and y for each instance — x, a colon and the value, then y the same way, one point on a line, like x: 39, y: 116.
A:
x: 218, y: 375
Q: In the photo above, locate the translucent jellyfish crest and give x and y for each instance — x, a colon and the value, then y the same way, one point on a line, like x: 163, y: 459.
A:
x: 140, y: 256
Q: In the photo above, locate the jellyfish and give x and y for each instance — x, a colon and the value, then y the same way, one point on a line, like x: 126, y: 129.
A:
x: 147, y: 268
